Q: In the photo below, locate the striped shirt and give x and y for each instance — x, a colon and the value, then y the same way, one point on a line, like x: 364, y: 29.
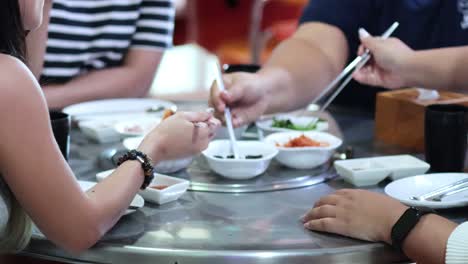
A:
x: 87, y: 35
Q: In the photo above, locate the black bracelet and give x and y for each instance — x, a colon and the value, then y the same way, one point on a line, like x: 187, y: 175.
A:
x: 146, y: 165
x: 405, y: 224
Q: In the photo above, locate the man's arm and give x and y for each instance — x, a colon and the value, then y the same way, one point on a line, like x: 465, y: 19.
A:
x: 301, y: 67
x: 132, y: 79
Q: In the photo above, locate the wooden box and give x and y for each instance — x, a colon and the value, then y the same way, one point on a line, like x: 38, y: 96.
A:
x: 399, y: 117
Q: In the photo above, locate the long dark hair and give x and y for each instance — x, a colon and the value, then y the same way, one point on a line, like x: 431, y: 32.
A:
x: 12, y: 33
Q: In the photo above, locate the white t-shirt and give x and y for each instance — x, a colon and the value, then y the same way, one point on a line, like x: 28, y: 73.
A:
x: 457, y: 246
x: 86, y: 35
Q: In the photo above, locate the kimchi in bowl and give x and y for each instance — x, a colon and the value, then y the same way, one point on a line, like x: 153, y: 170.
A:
x: 304, y: 150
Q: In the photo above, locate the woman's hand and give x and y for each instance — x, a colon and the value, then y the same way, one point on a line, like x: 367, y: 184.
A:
x: 388, y: 67
x: 245, y: 95
x: 181, y: 135
x: 355, y: 213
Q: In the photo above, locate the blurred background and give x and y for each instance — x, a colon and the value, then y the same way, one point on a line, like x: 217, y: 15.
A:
x: 236, y: 31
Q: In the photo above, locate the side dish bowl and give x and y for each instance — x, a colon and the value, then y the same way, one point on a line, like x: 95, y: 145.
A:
x: 303, y: 157
x: 239, y: 169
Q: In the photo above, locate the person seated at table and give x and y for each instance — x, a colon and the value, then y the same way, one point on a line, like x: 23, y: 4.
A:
x: 101, y: 49
x: 37, y: 183
x: 371, y: 216
x: 326, y: 40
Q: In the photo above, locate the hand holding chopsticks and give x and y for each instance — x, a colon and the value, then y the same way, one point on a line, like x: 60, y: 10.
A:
x: 347, y: 74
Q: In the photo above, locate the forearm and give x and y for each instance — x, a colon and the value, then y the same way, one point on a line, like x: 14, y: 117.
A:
x: 294, y: 79
x: 110, y: 83
x: 301, y: 67
x: 442, y: 69
x: 427, y: 242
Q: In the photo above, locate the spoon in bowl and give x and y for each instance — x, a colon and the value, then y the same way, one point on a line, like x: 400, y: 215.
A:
x: 227, y: 115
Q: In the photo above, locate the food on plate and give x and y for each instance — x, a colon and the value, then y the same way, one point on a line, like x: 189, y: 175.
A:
x: 289, y: 124
x: 137, y: 129
x: 168, y: 113
x: 246, y: 157
x: 159, y: 187
x: 303, y: 141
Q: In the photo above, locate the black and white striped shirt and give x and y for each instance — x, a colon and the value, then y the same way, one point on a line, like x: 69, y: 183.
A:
x: 86, y: 35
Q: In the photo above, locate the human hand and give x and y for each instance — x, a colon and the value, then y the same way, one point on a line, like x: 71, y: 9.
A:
x: 245, y: 95
x: 359, y: 214
x: 387, y: 67
x: 181, y: 135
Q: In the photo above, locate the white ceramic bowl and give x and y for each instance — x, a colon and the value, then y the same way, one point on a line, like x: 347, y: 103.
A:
x: 240, y: 169
x: 175, y: 188
x: 166, y: 166
x: 265, y: 126
x: 307, y: 157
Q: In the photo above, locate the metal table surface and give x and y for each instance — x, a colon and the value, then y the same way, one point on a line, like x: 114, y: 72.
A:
x: 204, y: 227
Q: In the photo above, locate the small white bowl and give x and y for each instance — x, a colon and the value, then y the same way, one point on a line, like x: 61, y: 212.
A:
x: 307, y: 157
x: 239, y: 169
x: 361, y: 172
x: 165, y: 166
x: 265, y: 126
x: 175, y: 188
x: 370, y: 171
x: 137, y: 127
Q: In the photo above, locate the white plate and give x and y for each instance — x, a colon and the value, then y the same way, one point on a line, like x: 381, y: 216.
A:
x: 176, y: 188
x: 138, y: 201
x: 266, y: 125
x: 403, y: 189
x: 370, y: 171
x: 165, y: 166
x: 116, y: 109
x: 136, y: 127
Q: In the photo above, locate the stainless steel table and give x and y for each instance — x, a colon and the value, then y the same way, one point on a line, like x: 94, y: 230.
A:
x: 206, y: 227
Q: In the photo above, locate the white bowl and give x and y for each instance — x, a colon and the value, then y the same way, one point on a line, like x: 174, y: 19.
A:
x: 239, y: 169
x: 265, y: 126
x: 361, y: 172
x: 307, y: 157
x: 370, y: 171
x: 175, y: 188
x: 165, y: 166
x: 136, y: 127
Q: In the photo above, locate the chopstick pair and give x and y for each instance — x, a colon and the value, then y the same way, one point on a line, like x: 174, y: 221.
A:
x: 347, y: 74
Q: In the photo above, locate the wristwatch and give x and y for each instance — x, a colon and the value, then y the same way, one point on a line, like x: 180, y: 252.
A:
x: 405, y: 224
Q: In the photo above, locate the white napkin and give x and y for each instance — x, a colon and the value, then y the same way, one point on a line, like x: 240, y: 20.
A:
x: 427, y: 95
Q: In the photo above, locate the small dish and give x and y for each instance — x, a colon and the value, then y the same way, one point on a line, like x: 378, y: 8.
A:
x: 137, y: 202
x: 99, y: 131
x: 405, y: 188
x: 166, y: 166
x: 304, y: 157
x: 174, y: 188
x: 136, y: 127
x: 266, y: 125
x: 239, y: 169
x: 361, y: 172
x: 371, y: 171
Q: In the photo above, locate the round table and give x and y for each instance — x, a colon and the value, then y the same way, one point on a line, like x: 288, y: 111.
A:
x: 209, y: 227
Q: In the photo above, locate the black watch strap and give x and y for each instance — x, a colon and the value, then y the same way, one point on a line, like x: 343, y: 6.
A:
x: 405, y: 224
x: 146, y: 165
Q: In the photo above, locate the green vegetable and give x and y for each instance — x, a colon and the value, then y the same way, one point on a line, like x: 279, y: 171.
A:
x: 288, y: 124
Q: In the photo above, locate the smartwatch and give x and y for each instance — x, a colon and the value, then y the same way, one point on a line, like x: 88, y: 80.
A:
x: 405, y: 224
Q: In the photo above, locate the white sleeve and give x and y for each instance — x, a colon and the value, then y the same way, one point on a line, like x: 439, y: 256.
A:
x: 457, y: 246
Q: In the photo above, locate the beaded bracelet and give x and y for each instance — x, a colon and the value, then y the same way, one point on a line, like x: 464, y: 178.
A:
x: 146, y: 165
